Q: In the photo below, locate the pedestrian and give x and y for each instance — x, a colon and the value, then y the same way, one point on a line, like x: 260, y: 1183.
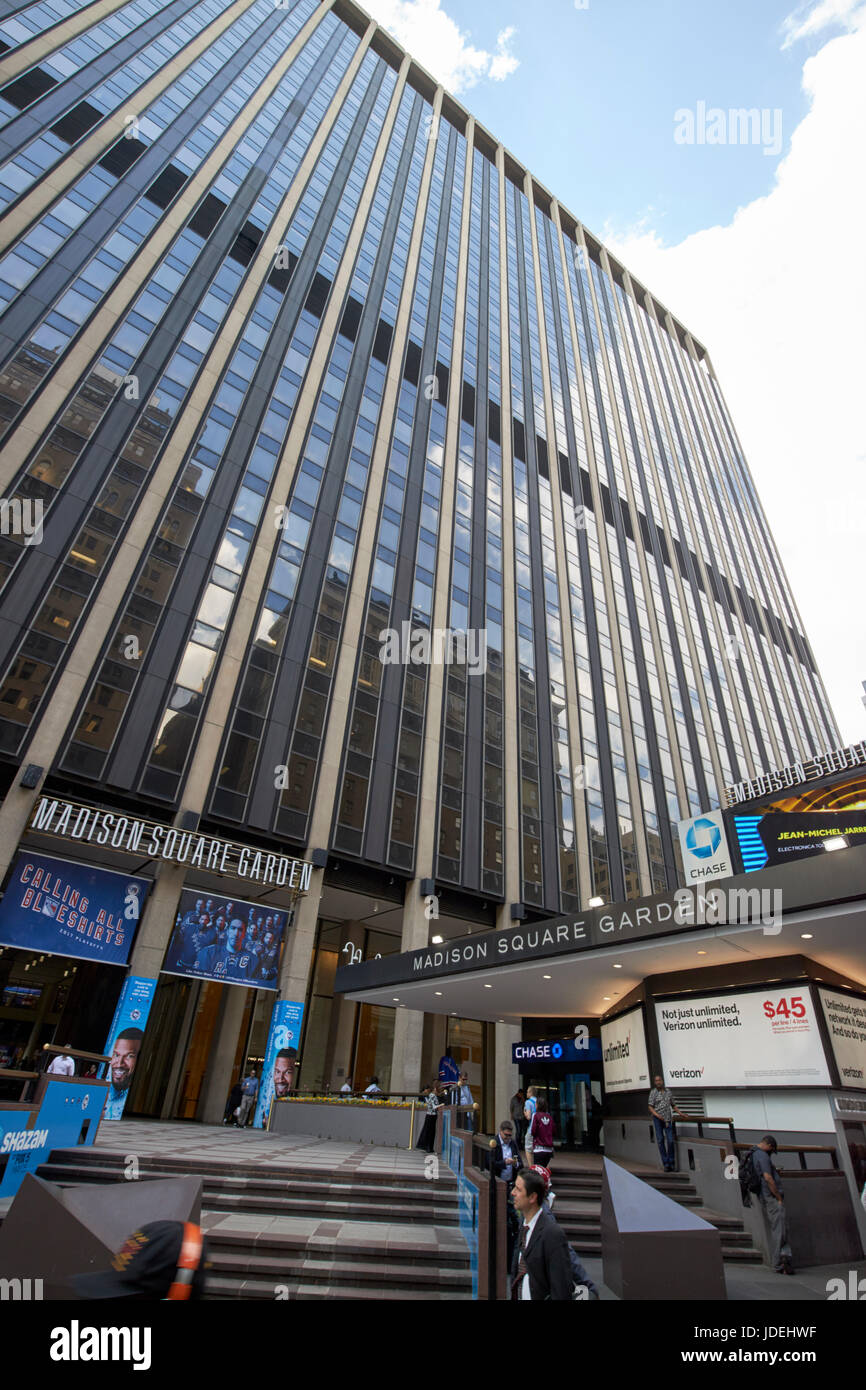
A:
x: 505, y: 1162
x: 61, y: 1065
x: 541, y: 1265
x: 662, y: 1107
x: 772, y: 1199
x: 516, y: 1104
x: 541, y: 1131
x: 528, y: 1117
x: 233, y: 1103
x: 578, y: 1273
x: 249, y: 1091
x: 465, y: 1098
x: 346, y: 1088
x: 164, y: 1260
x: 506, y: 1157
x: 427, y: 1137
x: 373, y: 1088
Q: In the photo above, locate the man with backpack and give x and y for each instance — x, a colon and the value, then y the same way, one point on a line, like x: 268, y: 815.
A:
x: 760, y: 1177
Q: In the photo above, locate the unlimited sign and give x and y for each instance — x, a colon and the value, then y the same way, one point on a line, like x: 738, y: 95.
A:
x: 90, y: 826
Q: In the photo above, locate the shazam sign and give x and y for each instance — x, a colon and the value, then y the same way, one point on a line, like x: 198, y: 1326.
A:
x: 704, y: 846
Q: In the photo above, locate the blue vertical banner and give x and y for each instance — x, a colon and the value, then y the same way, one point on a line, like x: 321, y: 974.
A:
x: 281, y: 1057
x: 125, y: 1039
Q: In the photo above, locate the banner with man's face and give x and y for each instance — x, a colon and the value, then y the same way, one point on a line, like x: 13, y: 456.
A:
x: 281, y: 1057
x: 124, y: 1041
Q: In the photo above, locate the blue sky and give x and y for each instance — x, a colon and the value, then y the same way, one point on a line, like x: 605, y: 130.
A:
x: 760, y: 256
x: 590, y: 109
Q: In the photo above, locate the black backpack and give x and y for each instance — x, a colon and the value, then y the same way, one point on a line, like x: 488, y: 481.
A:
x: 750, y: 1178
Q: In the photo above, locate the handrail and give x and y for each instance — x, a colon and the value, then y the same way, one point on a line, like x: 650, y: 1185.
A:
x: 75, y: 1052
x: 802, y: 1150
x: 699, y: 1120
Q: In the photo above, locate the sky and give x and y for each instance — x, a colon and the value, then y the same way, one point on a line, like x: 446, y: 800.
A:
x: 754, y: 240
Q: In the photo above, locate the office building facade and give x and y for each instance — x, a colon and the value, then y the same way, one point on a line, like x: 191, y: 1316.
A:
x: 294, y: 355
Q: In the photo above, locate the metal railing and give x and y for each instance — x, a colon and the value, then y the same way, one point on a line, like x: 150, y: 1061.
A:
x: 699, y: 1120
x: 801, y: 1150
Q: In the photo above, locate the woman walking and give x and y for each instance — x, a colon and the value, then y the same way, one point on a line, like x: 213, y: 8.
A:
x: 542, y: 1135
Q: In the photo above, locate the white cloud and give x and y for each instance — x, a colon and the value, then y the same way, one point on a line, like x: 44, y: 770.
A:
x: 811, y: 19
x: 504, y: 63
x: 441, y: 46
x: 778, y: 296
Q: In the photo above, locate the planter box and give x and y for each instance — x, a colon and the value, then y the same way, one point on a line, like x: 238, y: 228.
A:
x: 360, y: 1123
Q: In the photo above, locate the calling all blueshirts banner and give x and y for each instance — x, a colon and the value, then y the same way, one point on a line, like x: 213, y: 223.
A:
x: 68, y: 909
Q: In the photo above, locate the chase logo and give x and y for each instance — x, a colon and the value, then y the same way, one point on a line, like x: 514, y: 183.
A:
x: 556, y: 1050
x: 703, y: 838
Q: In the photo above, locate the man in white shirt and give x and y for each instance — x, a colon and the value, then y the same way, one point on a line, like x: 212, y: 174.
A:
x: 373, y: 1088
x: 541, y: 1266
x: 61, y: 1066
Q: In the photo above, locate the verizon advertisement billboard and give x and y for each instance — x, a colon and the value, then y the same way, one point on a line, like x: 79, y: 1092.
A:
x: 623, y: 1052
x: 846, y: 1024
x: 764, y: 1038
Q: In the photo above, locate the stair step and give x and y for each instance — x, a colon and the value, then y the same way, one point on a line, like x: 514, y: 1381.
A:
x: 330, y: 1270
x: 222, y: 1287
x: 296, y: 1173
x: 238, y: 1247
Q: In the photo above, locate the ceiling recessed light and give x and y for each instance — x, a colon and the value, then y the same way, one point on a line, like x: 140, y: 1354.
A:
x: 617, y: 967
x: 607, y: 999
x: 438, y: 993
x: 546, y: 977
x: 437, y: 940
x: 488, y: 986
x: 396, y: 999
x: 702, y: 953
x: 805, y: 936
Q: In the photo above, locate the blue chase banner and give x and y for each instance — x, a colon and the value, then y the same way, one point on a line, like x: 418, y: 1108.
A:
x: 281, y: 1057
x: 124, y: 1041
x: 67, y: 909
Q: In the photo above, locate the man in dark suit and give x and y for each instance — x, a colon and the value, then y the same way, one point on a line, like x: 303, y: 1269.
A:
x: 541, y: 1267
x: 506, y: 1156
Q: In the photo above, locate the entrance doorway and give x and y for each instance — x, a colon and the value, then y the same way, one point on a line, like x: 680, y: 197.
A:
x: 181, y: 1032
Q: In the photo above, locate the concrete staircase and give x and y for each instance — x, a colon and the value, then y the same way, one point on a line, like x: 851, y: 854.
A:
x: 286, y: 1232
x: 578, y: 1210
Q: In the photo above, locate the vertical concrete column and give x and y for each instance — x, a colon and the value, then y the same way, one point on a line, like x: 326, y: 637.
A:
x: 222, y: 1055
x: 298, y: 951
x: 408, y: 1045
x: 159, y: 918
x: 406, y: 1069
x: 506, y: 1075
x: 435, y: 1036
x: 511, y: 839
